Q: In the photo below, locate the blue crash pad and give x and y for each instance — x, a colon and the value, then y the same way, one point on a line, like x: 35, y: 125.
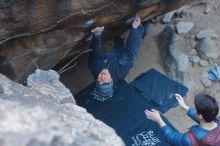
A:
x: 125, y: 114
x: 158, y: 89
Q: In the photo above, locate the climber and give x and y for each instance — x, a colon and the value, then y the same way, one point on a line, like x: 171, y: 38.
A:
x: 205, y: 133
x: 108, y: 68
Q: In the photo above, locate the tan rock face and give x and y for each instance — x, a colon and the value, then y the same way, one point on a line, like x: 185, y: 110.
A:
x: 40, y: 33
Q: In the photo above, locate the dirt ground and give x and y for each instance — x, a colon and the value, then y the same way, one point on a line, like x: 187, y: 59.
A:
x: 149, y: 57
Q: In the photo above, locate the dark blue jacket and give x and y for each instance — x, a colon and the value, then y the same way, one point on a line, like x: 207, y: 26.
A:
x: 180, y: 139
x: 119, y: 60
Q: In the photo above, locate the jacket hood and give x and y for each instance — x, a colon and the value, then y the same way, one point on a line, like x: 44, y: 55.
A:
x: 213, y: 137
x: 205, y: 137
x: 198, y: 132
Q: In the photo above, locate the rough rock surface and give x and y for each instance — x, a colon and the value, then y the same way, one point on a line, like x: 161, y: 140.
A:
x: 167, y: 18
x: 30, y: 118
x: 207, y: 33
x: 184, y: 27
x: 47, y: 83
x: 175, y: 61
x: 43, y: 32
x: 207, y: 49
x: 194, y: 59
x: 203, y: 63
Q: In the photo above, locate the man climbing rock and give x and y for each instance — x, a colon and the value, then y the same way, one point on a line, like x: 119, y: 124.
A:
x: 108, y: 68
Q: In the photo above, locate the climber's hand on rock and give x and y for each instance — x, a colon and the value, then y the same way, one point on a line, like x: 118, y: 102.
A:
x: 98, y: 30
x: 136, y: 23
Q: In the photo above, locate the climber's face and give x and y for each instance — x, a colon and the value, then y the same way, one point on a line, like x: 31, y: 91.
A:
x: 104, y: 76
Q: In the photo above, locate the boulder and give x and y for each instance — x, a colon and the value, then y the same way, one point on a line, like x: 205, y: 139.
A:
x: 42, y: 33
x: 182, y: 10
x: 180, y: 58
x: 184, y: 27
x: 47, y: 83
x: 193, y: 52
x: 207, y: 49
x: 175, y: 61
x: 194, y: 60
x: 203, y: 63
x: 168, y: 16
x: 31, y: 118
x: 207, y: 33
